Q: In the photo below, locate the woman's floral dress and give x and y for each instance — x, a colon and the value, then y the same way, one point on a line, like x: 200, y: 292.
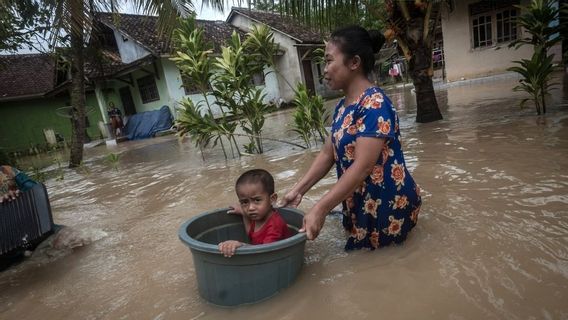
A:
x: 385, y: 207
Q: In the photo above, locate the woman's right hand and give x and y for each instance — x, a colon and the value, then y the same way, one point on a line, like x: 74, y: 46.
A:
x: 291, y: 199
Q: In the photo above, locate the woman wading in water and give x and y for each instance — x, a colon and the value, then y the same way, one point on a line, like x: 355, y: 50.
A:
x: 380, y: 199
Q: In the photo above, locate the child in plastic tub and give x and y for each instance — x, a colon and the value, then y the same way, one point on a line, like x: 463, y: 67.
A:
x: 263, y: 223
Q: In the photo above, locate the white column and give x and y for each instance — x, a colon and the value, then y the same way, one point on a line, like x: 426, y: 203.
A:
x: 101, y: 101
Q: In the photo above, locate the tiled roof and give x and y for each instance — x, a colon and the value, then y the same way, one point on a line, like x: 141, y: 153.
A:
x: 284, y: 24
x: 108, y: 63
x: 143, y: 29
x: 26, y: 74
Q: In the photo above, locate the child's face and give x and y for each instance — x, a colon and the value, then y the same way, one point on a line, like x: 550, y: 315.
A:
x: 255, y: 202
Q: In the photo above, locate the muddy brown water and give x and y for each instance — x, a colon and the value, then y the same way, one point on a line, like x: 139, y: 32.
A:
x: 491, y: 242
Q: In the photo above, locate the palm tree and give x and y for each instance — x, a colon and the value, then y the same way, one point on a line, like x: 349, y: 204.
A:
x: 73, y: 19
x: 411, y: 23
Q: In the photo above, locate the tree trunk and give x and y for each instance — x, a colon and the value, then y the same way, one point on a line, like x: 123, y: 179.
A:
x: 416, y: 44
x: 77, y: 85
x: 426, y: 104
x: 420, y: 70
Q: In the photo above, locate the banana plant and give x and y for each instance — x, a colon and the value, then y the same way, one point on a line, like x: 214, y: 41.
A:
x: 310, y: 116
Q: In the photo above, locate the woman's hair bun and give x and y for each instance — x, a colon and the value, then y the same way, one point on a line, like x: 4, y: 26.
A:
x: 377, y: 39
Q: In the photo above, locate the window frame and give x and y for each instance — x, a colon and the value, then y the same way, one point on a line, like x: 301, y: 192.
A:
x: 504, y: 22
x: 258, y: 79
x: 487, y: 22
x: 188, y: 87
x: 148, y: 96
x: 494, y: 22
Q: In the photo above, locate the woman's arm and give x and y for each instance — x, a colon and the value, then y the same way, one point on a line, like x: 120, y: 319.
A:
x: 319, y: 168
x: 367, y: 152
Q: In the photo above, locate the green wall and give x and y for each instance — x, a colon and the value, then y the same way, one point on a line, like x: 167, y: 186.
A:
x: 22, y: 122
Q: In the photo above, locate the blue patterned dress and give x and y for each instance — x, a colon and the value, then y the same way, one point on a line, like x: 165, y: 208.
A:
x: 385, y: 207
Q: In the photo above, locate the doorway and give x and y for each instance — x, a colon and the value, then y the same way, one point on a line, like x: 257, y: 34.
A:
x: 127, y: 101
x: 309, y: 76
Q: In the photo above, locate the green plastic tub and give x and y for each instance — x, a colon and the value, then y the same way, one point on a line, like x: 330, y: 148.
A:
x: 255, y: 272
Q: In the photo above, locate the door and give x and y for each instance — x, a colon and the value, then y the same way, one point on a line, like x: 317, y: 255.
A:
x: 127, y: 101
x: 309, y: 76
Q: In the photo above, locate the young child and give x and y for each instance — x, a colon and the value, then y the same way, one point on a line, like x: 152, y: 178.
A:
x: 263, y: 223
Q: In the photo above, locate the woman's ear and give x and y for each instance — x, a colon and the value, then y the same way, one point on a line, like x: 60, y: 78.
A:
x: 355, y: 63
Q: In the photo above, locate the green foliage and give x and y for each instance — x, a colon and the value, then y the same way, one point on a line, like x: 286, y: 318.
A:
x: 83, y: 169
x: 535, y: 74
x: 113, y: 160
x: 21, y: 21
x: 260, y: 44
x: 37, y: 174
x: 59, y: 172
x: 231, y: 83
x: 310, y: 116
x: 193, y: 53
x: 537, y: 19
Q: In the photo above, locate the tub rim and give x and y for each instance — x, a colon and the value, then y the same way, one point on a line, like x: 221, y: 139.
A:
x: 244, y: 250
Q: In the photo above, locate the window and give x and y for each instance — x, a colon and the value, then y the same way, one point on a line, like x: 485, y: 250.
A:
x: 482, y: 31
x: 188, y: 86
x: 493, y: 22
x: 258, y: 79
x: 506, y: 26
x: 148, y: 89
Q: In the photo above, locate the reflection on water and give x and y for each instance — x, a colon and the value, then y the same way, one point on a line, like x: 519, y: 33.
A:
x: 492, y: 241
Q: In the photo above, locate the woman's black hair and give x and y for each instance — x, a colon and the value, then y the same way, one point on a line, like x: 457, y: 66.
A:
x: 357, y: 41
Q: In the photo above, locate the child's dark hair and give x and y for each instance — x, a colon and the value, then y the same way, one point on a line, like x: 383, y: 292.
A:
x: 257, y: 176
x: 356, y: 41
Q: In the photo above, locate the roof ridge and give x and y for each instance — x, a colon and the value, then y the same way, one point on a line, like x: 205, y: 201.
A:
x: 21, y: 55
x: 126, y: 14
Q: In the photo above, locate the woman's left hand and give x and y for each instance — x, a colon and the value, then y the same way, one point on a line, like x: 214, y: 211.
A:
x: 313, y: 223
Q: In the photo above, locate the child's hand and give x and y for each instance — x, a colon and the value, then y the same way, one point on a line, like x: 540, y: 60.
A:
x: 229, y: 247
x: 235, y: 209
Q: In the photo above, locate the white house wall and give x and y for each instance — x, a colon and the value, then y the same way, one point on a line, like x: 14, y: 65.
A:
x: 462, y: 61
x: 129, y: 50
x: 173, y: 82
x: 288, y: 64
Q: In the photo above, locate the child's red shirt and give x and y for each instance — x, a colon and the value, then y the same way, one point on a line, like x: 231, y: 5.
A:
x: 274, y: 229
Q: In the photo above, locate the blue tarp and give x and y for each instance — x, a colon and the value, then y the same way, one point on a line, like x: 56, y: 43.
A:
x: 146, y: 124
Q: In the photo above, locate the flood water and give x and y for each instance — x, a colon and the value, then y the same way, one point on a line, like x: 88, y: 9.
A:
x: 491, y: 241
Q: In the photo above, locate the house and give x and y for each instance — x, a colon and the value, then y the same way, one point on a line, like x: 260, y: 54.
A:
x: 148, y: 79
x: 134, y: 71
x: 298, y: 44
x: 476, y: 35
x: 155, y: 80
x: 30, y: 103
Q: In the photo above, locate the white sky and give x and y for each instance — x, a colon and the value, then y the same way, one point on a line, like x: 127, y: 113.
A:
x: 203, y: 12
